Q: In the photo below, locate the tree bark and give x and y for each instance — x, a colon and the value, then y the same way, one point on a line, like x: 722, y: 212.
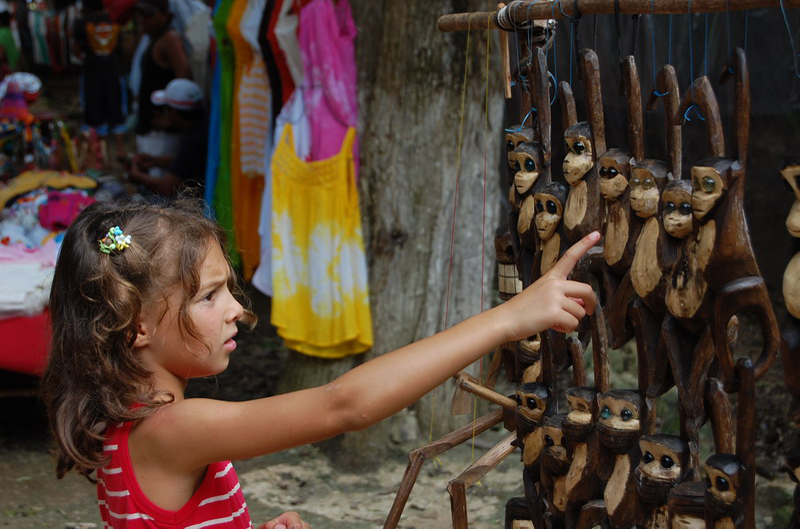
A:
x: 410, y: 88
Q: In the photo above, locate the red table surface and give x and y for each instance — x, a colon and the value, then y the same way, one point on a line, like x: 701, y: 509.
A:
x: 24, y: 343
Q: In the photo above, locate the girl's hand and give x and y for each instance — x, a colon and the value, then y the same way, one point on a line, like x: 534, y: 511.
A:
x: 553, y: 302
x: 287, y: 520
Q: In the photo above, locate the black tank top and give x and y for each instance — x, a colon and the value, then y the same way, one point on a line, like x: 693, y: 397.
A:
x: 154, y: 77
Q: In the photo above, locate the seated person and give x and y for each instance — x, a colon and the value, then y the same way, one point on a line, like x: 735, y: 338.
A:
x: 181, y: 109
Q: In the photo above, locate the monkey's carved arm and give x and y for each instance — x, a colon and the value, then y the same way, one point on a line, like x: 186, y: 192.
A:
x: 745, y: 294
x: 701, y: 94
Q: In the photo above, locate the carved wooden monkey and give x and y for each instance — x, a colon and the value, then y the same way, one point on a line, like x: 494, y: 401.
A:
x: 725, y: 254
x: 549, y: 203
x: 584, y: 142
x: 790, y: 171
x: 665, y: 462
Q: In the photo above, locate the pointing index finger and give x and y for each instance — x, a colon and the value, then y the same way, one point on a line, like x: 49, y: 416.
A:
x: 571, y: 257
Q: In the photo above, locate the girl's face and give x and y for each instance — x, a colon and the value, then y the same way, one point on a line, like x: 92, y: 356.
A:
x: 213, y: 311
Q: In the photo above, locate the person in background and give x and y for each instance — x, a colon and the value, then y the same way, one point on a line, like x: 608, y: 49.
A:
x: 163, y: 60
x: 9, y: 53
x: 103, y: 94
x: 179, y: 108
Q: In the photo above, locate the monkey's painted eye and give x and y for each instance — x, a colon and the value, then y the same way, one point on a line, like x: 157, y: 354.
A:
x: 530, y: 165
x: 518, y: 399
x: 648, y: 457
x: 605, y: 413
x: 722, y: 484
x: 548, y: 441
x: 539, y: 206
x: 510, y: 145
x: 612, y: 172
x: 685, y: 208
x: 667, y: 462
x: 578, y: 147
x: 669, y: 207
x: 532, y: 403
x: 708, y: 184
x: 603, y: 172
x: 551, y: 207
x: 635, y: 182
x: 626, y: 414
x: 648, y: 183
x: 516, y: 166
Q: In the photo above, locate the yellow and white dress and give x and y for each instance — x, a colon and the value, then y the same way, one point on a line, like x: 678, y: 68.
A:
x: 320, y: 303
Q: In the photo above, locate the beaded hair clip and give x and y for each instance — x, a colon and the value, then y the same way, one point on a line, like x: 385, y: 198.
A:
x: 114, y: 240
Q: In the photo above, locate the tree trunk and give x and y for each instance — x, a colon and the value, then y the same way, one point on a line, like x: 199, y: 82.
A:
x: 410, y: 88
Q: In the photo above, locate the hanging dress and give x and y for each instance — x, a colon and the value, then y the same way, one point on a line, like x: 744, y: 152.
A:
x: 320, y: 304
x: 223, y: 207
x: 250, y: 115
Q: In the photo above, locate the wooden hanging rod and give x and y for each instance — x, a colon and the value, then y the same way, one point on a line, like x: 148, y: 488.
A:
x: 526, y: 10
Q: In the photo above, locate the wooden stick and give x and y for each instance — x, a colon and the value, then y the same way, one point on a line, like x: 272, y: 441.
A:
x: 471, y: 384
x: 458, y: 486
x: 418, y: 457
x: 533, y: 10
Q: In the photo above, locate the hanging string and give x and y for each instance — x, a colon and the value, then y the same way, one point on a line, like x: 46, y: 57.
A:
x: 554, y: 74
x: 437, y: 461
x: 574, y: 39
x: 705, y: 49
x: 483, y: 235
x: 691, y: 69
x: 730, y: 40
x: 653, y: 48
x: 746, y: 27
x: 791, y: 42
x: 594, y: 33
x: 669, y: 41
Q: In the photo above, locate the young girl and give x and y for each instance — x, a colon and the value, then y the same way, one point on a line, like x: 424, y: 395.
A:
x: 144, y: 298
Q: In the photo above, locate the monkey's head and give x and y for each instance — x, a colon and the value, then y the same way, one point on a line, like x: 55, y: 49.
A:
x: 579, y: 157
x: 725, y: 478
x: 550, y: 200
x: 613, y: 167
x: 619, y: 424
x: 664, y: 464
x: 528, y: 162
x: 554, y: 455
x: 710, y: 184
x: 676, y: 200
x: 579, y: 422
x: 514, y: 137
x: 648, y: 178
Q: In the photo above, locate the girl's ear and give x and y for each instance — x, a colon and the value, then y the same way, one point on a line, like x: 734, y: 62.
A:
x: 143, y: 335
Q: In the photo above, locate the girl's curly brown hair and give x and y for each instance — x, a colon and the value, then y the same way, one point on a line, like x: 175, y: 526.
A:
x: 94, y: 377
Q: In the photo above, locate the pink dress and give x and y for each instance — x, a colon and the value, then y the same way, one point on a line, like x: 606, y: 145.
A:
x: 327, y: 44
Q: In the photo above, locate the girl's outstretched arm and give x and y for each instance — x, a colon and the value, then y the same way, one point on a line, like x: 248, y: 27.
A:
x: 207, y: 430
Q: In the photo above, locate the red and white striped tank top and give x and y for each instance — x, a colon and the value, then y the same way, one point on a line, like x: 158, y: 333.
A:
x: 218, y: 503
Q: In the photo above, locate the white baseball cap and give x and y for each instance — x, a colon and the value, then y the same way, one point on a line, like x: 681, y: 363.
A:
x: 180, y: 94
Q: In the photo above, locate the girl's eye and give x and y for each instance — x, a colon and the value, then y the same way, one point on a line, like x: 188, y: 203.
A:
x: 209, y: 296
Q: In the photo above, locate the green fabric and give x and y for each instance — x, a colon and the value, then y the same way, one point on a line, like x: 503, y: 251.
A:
x: 223, y: 199
x: 7, y: 42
